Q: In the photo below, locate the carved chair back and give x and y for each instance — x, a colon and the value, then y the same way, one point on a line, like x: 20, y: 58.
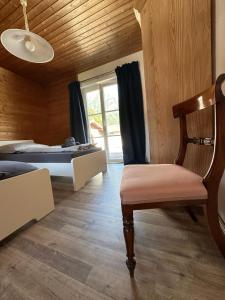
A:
x: 211, y: 97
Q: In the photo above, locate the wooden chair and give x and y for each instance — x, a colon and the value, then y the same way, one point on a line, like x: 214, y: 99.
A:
x: 159, y: 186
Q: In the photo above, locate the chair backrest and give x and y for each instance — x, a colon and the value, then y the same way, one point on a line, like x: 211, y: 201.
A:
x: 211, y: 97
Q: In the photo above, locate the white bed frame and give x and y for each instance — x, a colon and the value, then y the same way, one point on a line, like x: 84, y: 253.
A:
x: 24, y: 198
x: 81, y: 168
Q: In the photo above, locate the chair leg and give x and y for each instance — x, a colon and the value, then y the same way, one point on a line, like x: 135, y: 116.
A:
x: 128, y: 231
x: 214, y: 225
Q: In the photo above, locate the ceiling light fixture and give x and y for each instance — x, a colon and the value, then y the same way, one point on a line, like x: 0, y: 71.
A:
x: 25, y: 44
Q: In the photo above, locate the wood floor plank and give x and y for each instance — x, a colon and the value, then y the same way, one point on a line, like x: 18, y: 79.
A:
x: 78, y: 251
x: 40, y: 281
x: 11, y: 292
x: 63, y: 263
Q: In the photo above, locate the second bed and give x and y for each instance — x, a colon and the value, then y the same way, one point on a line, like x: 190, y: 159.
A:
x: 80, y: 165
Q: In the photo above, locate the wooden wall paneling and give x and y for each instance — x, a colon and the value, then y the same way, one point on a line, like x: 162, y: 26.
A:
x: 139, y: 4
x: 23, y: 109
x: 58, y: 105
x: 176, y: 40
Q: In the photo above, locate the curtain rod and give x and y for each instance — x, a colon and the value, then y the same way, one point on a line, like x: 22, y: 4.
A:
x: 98, y: 76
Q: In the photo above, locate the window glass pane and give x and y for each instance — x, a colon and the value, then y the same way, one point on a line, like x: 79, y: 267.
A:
x: 112, y: 123
x: 95, y: 124
x: 99, y: 142
x: 110, y: 93
x: 115, y: 148
x: 93, y: 102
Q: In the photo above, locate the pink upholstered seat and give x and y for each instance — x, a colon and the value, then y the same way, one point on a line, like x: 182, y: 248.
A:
x: 155, y: 183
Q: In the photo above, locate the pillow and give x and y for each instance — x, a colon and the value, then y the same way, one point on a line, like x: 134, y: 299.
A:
x: 12, y: 148
x: 70, y: 141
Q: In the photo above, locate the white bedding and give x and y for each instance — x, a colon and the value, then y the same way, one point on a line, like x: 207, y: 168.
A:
x: 30, y: 147
x: 47, y: 149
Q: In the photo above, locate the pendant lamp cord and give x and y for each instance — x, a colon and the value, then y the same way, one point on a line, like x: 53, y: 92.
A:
x: 24, y: 5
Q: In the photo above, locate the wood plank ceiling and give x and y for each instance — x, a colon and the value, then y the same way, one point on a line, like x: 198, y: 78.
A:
x: 83, y: 33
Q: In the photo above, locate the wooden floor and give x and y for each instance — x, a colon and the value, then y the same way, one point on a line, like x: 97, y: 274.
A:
x: 77, y: 252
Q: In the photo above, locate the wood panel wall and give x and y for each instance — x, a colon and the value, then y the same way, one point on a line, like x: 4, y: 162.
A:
x: 23, y: 108
x: 29, y: 110
x: 176, y: 39
x: 58, y: 106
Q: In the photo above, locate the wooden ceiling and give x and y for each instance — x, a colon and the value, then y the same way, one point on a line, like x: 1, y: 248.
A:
x: 83, y: 33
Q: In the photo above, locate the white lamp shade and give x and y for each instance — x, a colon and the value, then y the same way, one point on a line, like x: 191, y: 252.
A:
x: 27, y: 45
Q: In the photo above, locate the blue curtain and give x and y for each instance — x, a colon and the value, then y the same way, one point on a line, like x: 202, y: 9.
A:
x: 78, y: 121
x: 131, y: 113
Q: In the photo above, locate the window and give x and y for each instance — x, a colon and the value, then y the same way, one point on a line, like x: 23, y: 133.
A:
x: 101, y: 102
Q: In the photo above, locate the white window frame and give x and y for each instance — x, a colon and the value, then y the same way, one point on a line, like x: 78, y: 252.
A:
x: 99, y: 85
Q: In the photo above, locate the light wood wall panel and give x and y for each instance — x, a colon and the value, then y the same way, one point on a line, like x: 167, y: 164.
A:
x: 23, y: 109
x: 58, y: 105
x: 176, y: 39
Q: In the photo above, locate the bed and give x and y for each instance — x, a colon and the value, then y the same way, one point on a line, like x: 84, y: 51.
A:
x: 26, y: 195
x: 81, y: 165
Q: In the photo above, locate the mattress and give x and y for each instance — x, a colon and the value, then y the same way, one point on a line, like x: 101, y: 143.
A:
x: 42, y: 157
x: 10, y: 169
